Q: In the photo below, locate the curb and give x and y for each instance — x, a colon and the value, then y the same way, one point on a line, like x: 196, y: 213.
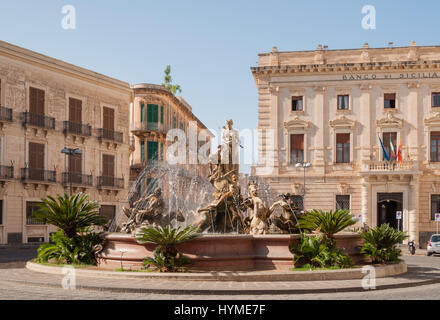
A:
x: 230, y: 292
x: 260, y: 276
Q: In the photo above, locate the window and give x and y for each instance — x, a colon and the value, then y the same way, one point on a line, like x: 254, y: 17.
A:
x: 296, y: 148
x: 298, y: 202
x: 435, y: 99
x: 142, y: 112
x: 161, y: 151
x: 342, y: 147
x: 108, y: 115
x: 389, y: 137
x: 297, y: 103
x: 1, y: 212
x: 343, y: 102
x: 142, y: 151
x: 435, y: 205
x: 31, y: 207
x: 390, y: 100
x: 108, y: 165
x: 75, y: 168
x: 174, y: 122
x: 435, y: 146
x: 161, y: 114
x: 75, y: 110
x: 152, y: 150
x: 152, y: 113
x: 343, y: 202
x: 108, y: 212
x: 36, y: 101
x: 36, y: 161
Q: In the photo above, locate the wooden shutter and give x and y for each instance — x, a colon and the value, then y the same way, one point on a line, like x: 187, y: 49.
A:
x: 109, y: 118
x: 142, y: 112
x: 36, y: 155
x: 36, y: 101
x: 390, y: 96
x: 343, y: 138
x: 108, y: 165
x: 108, y: 212
x: 75, y: 110
x: 75, y: 163
x: 152, y: 150
x: 161, y: 114
x: 152, y: 113
x: 297, y: 142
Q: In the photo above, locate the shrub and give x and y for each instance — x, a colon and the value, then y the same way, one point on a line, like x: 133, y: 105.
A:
x: 319, y: 252
x: 79, y: 249
x: 381, y: 244
x: 166, y: 257
x: 71, y: 214
x: 329, y: 223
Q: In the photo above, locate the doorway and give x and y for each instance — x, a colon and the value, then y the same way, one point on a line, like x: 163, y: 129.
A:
x: 387, y: 206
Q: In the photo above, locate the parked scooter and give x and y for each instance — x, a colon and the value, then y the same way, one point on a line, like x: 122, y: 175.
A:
x: 411, y: 247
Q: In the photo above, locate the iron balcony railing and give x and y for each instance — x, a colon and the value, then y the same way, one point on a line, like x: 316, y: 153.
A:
x: 38, y: 174
x: 32, y: 221
x: 5, y: 114
x: 107, y: 181
x: 38, y: 120
x: 107, y: 134
x: 6, y: 172
x: 77, y: 178
x: 77, y: 128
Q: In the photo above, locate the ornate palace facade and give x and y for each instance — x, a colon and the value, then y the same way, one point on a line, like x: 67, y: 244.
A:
x: 330, y: 107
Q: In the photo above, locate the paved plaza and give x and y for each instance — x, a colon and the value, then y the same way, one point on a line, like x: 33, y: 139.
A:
x: 16, y: 282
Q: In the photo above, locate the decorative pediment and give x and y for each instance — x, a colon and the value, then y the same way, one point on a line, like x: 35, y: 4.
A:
x: 343, y: 188
x: 342, y: 123
x: 297, y: 123
x: 389, y: 121
x: 433, y: 121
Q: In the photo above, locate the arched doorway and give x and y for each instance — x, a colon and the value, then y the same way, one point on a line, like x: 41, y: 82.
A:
x: 387, y: 206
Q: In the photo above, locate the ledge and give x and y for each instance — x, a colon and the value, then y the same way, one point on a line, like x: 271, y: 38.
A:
x: 242, y: 276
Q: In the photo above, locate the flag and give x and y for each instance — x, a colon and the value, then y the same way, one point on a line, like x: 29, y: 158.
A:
x: 399, y: 152
x: 392, y: 152
x: 385, y: 153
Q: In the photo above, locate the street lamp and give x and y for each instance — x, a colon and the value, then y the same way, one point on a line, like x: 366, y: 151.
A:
x: 304, y: 165
x: 70, y: 152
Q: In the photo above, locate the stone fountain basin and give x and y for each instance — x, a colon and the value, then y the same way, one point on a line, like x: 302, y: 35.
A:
x: 220, y: 252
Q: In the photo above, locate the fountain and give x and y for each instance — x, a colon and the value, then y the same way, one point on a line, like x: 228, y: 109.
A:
x: 239, y: 230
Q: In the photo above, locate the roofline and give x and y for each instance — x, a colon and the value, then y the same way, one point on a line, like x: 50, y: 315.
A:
x: 56, y: 65
x: 347, y: 49
x: 155, y: 87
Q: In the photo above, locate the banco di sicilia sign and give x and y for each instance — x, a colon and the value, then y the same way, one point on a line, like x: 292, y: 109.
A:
x: 413, y: 75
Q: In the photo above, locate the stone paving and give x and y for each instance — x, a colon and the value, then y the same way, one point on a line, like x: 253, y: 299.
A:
x: 18, y: 282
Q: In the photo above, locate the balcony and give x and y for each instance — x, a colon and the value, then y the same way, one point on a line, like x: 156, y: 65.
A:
x: 5, y: 114
x: 143, y: 127
x: 105, y: 134
x: 110, y: 182
x: 77, y: 128
x: 386, y: 167
x: 40, y: 175
x: 77, y: 179
x: 6, y: 172
x: 38, y: 120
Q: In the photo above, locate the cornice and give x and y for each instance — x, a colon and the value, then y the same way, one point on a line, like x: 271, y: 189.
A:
x: 389, y: 121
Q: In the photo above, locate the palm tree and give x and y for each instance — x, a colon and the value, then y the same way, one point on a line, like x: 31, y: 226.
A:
x: 329, y: 223
x: 71, y: 214
x: 166, y: 255
x: 174, y: 88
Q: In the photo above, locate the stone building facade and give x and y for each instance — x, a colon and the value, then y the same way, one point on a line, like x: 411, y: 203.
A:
x: 47, y: 105
x: 330, y: 107
x: 155, y: 111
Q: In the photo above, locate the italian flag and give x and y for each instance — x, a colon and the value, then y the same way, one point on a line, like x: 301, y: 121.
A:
x: 392, y: 151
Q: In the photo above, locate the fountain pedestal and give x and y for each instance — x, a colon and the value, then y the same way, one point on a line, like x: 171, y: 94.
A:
x: 211, y: 252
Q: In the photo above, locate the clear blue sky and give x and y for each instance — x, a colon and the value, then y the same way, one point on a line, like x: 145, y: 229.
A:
x: 210, y: 45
